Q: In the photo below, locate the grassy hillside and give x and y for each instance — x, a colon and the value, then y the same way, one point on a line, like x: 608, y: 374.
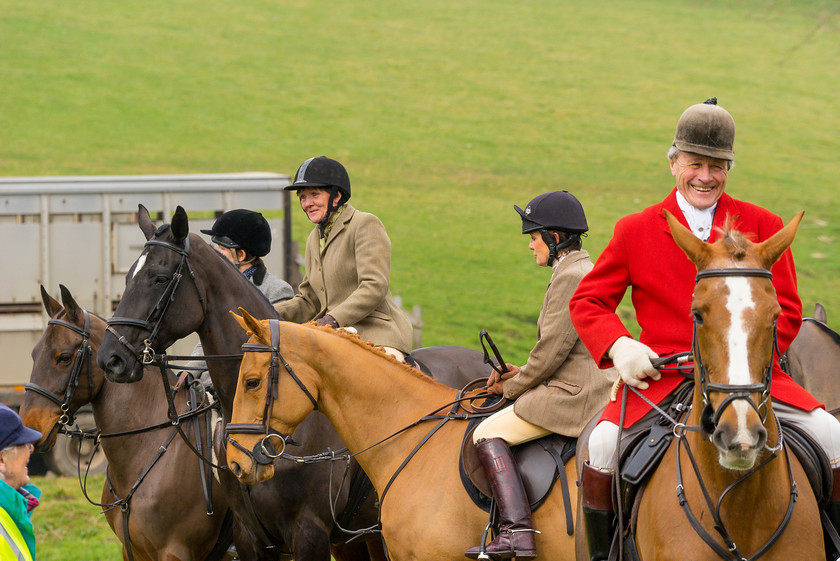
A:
x: 445, y: 114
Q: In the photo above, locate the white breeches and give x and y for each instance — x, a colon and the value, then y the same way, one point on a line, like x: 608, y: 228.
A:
x: 821, y: 425
x: 508, y: 426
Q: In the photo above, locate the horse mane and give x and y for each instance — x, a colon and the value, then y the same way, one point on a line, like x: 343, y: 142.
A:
x: 368, y: 346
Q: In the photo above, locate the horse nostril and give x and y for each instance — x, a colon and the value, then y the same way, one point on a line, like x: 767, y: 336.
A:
x: 761, y: 434
x: 115, y: 364
x: 236, y: 469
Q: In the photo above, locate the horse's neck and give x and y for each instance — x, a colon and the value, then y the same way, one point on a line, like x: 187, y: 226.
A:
x: 123, y: 407
x: 226, y: 289
x: 368, y: 398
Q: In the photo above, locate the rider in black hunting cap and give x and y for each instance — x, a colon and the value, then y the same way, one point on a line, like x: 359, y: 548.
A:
x: 348, y: 262
x: 542, y: 388
x: 244, y: 237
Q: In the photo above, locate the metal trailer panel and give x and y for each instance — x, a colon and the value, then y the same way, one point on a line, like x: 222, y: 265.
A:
x: 82, y: 232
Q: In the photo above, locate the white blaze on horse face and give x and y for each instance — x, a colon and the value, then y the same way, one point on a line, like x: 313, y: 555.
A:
x: 738, y: 302
x: 140, y: 262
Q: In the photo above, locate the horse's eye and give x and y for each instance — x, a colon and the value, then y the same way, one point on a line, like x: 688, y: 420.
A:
x: 64, y: 358
x: 161, y: 279
x: 698, y: 317
x: 252, y: 383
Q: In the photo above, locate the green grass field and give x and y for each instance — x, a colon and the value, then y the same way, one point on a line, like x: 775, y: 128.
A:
x: 445, y: 114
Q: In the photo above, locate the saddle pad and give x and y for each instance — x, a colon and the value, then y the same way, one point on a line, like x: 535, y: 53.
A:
x: 536, y: 460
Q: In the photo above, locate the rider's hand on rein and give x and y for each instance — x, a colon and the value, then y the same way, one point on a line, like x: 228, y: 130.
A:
x: 632, y: 360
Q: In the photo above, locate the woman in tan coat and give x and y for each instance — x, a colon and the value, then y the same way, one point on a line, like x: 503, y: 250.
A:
x: 348, y: 263
x: 559, y: 389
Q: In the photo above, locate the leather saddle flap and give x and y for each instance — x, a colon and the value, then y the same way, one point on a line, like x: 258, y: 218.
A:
x: 539, y: 463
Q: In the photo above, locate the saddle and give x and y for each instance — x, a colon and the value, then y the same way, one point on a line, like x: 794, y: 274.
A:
x: 540, y: 462
x: 642, y: 446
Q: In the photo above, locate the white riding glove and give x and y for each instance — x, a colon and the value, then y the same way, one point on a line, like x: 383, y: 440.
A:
x: 632, y: 360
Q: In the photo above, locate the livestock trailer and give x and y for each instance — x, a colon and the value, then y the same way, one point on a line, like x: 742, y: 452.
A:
x: 82, y: 232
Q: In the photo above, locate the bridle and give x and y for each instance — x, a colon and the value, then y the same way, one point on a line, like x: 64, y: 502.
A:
x: 83, y: 354
x: 154, y: 321
x: 710, y: 416
x: 264, y: 451
x: 708, y: 423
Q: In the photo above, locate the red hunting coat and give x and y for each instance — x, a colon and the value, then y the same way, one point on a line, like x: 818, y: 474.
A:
x: 642, y: 255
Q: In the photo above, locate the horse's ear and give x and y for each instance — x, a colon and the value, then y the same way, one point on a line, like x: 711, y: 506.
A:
x: 255, y: 326
x: 180, y: 224
x: 696, y: 249
x: 74, y: 311
x: 241, y: 321
x: 772, y: 248
x: 145, y: 222
x: 51, y: 305
x: 819, y: 313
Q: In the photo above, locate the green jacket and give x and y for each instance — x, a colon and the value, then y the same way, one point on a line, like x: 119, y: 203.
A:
x: 17, y: 533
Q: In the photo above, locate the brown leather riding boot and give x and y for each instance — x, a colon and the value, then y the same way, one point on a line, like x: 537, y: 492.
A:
x: 598, y: 512
x: 516, y: 532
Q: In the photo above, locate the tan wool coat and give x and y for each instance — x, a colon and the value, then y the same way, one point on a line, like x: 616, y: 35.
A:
x: 351, y: 281
x: 560, y: 388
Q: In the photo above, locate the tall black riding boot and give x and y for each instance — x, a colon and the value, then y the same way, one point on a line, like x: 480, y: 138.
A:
x: 598, y: 512
x: 832, y: 509
x: 516, y: 532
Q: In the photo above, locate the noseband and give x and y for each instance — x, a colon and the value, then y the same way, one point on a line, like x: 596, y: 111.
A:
x: 710, y: 416
x: 154, y: 321
x: 264, y: 451
x: 83, y: 353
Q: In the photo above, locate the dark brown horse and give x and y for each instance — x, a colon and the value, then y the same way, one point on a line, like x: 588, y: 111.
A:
x: 167, y: 515
x: 291, y: 511
x: 727, y: 491
x: 813, y: 357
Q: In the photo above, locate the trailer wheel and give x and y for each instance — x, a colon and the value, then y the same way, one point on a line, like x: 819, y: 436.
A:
x: 65, y: 458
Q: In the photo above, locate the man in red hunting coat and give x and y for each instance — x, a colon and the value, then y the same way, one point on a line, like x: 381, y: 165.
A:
x: 643, y: 256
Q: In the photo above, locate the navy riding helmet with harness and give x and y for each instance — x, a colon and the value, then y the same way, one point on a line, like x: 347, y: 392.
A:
x: 324, y: 173
x: 555, y: 210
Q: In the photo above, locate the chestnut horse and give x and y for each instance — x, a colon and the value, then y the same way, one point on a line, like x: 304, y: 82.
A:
x: 167, y: 515
x: 181, y: 285
x: 369, y: 396
x: 813, y: 357
x: 735, y: 494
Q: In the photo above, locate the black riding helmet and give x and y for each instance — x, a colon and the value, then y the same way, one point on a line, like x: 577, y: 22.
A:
x: 242, y: 229
x: 555, y: 210
x: 325, y: 173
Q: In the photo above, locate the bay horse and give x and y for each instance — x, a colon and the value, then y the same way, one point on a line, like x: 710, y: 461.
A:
x: 735, y: 494
x: 167, y: 515
x: 368, y: 396
x: 292, y: 512
x: 813, y: 357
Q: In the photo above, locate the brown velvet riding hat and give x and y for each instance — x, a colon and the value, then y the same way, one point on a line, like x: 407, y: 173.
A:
x: 706, y: 129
